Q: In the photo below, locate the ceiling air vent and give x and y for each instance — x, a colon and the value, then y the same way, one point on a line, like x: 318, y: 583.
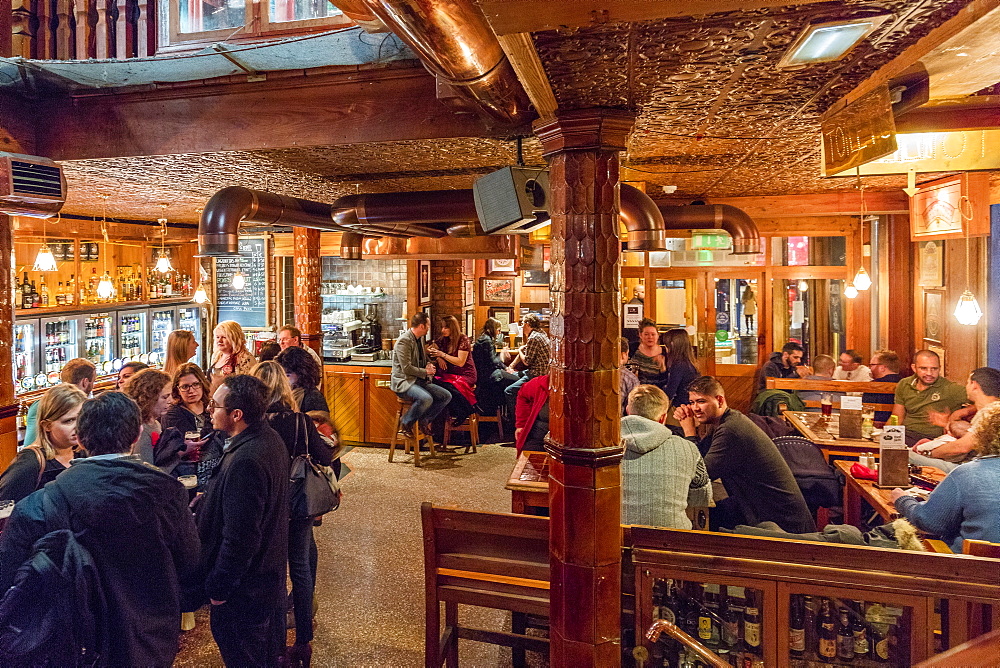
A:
x: 30, y: 185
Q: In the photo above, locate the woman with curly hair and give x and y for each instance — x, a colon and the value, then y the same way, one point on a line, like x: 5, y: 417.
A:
x: 964, y: 504
x: 303, y: 375
x: 54, y: 446
x: 151, y: 389
x: 231, y: 354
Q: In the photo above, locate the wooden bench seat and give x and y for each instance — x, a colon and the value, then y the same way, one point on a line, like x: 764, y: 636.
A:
x: 842, y: 386
x: 489, y: 560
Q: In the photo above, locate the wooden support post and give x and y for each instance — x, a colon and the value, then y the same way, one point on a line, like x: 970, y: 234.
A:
x: 308, y: 273
x: 584, y: 404
x: 8, y: 404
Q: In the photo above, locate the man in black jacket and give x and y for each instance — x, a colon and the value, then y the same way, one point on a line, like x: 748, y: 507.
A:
x: 786, y: 364
x: 243, y: 523
x: 758, y: 481
x: 134, y: 521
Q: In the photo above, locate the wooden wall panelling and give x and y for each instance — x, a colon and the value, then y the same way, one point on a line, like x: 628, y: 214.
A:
x: 380, y: 407
x: 992, y: 302
x: 344, y: 388
x: 896, y: 306
x: 8, y: 404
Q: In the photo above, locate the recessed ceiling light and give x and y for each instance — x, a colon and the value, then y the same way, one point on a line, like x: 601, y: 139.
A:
x: 827, y: 42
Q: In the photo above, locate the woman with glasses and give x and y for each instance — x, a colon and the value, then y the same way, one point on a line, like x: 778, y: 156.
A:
x: 188, y: 415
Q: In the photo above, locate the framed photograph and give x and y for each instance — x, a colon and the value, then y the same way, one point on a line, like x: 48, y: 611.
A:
x: 470, y: 322
x: 538, y: 274
x: 470, y: 293
x: 931, y: 264
x: 933, y: 323
x: 501, y: 266
x: 424, y: 279
x: 496, y: 290
x: 505, y: 314
x: 429, y: 336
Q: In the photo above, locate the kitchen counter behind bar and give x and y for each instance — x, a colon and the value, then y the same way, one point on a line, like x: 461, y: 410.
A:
x: 362, y: 407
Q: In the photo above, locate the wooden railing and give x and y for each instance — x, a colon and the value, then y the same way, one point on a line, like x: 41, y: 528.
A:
x: 81, y: 29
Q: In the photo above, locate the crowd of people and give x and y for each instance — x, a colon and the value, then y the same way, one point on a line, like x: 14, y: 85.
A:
x: 175, y: 486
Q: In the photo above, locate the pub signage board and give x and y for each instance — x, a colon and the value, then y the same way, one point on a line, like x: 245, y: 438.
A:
x: 861, y: 132
x: 249, y: 306
x: 928, y: 152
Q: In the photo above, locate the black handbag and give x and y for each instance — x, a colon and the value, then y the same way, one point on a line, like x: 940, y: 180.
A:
x: 312, y: 491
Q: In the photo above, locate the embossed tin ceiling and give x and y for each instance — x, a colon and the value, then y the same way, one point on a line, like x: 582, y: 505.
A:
x: 716, y: 118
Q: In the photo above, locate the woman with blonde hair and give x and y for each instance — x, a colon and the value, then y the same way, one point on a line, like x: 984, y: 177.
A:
x: 230, y: 355
x: 54, y: 446
x: 300, y: 437
x: 181, y: 346
x: 151, y: 389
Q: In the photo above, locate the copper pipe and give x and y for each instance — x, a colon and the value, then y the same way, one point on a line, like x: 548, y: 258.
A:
x: 413, y: 214
x: 746, y: 238
x: 358, y: 11
x: 642, y: 219
x: 350, y: 245
x: 455, y: 42
x: 661, y: 626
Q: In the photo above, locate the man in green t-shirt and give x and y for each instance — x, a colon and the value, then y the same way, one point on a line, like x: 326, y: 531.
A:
x: 925, y: 392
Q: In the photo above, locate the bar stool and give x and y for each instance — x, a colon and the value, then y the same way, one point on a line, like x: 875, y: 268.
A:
x: 471, y: 426
x: 409, y: 443
x: 497, y: 418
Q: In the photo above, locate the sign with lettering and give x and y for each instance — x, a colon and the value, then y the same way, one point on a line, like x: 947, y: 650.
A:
x: 848, y: 403
x: 247, y: 306
x: 861, y: 132
x: 893, y: 437
x: 952, y: 207
x: 633, y: 314
x: 926, y: 152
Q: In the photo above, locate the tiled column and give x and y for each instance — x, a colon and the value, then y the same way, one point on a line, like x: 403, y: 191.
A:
x: 308, y: 273
x: 584, y: 406
x: 8, y: 405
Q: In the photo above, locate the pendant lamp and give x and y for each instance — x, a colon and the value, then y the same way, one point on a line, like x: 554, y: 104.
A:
x: 967, y: 312
x: 162, y: 261
x: 239, y: 280
x: 45, y: 260
x: 850, y: 291
x: 200, y: 296
x: 105, y: 288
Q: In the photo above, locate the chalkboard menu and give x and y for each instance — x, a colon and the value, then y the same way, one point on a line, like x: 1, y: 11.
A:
x: 249, y: 305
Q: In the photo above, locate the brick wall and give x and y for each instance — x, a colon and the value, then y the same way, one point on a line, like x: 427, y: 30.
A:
x: 446, y: 291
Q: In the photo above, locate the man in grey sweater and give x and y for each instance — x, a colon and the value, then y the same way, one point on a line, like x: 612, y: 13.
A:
x: 758, y: 481
x: 413, y: 375
x: 662, y: 474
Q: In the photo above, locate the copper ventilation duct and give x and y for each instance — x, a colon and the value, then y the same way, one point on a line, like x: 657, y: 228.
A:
x: 413, y: 214
x: 358, y: 11
x: 647, y: 223
x: 455, y: 43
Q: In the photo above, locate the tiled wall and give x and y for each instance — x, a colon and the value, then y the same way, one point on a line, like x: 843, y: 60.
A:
x: 390, y: 275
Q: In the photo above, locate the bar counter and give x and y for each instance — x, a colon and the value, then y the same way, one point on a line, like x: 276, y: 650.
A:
x: 362, y: 407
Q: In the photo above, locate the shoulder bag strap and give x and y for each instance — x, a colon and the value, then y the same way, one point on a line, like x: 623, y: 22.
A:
x: 41, y: 463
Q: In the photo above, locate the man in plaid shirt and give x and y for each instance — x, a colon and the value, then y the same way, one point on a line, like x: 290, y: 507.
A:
x: 533, y: 356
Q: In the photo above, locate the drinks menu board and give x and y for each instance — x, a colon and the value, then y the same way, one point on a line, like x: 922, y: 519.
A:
x: 247, y: 306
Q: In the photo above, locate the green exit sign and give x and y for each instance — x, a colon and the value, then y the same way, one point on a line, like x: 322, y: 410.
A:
x: 710, y: 241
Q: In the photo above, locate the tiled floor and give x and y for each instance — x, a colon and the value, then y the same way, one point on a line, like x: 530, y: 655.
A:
x: 370, y: 580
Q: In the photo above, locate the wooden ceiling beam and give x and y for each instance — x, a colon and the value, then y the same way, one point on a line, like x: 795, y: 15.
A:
x: 523, y: 57
x: 17, y: 134
x: 309, y: 110
x: 508, y: 17
x: 981, y: 112
x: 822, y: 204
x: 928, y: 49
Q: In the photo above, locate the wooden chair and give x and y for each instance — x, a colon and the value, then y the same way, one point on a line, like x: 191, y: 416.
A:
x: 981, y: 548
x: 490, y: 560
x: 471, y: 426
x: 409, y: 443
x: 840, y: 386
x: 497, y: 418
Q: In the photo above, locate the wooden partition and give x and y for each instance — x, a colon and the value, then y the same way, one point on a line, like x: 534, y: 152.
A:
x: 82, y: 29
x: 936, y: 601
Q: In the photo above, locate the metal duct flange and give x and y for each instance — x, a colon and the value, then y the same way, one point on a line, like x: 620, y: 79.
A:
x: 350, y: 245
x: 642, y: 219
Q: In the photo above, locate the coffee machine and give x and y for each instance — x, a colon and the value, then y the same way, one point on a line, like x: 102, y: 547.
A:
x: 371, y: 329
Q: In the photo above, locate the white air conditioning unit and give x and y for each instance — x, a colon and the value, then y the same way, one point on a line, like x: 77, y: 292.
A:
x: 30, y: 185
x: 512, y: 200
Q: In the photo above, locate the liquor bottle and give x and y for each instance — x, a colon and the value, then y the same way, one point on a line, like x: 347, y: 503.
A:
x: 45, y: 292
x: 706, y: 623
x: 860, y: 630
x: 36, y: 299
x: 729, y: 635
x: 899, y: 640
x: 827, y: 645
x: 796, y: 626
x: 60, y: 297
x: 845, y: 637
x: 26, y: 301
x: 751, y: 624
x: 692, y: 608
x: 659, y: 596
x: 70, y: 297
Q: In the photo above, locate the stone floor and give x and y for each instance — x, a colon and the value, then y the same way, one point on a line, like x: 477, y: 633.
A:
x: 370, y: 580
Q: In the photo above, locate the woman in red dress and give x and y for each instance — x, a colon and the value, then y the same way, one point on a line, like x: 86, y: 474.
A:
x: 456, y: 372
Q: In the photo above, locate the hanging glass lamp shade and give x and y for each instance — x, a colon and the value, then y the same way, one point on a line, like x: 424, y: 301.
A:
x: 968, y: 312
x: 105, y: 288
x: 239, y: 280
x: 45, y: 260
x: 163, y: 263
x: 861, y: 279
x: 850, y: 291
x: 200, y: 296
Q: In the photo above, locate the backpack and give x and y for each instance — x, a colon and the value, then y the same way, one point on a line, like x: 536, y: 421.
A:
x: 52, y: 614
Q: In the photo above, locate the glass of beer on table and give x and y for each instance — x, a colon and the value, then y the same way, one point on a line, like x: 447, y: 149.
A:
x: 826, y: 404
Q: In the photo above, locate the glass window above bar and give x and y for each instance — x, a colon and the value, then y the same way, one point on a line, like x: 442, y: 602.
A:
x: 809, y: 251
x: 301, y: 10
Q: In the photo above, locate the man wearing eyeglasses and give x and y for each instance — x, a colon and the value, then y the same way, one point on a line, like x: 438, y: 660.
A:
x: 243, y: 524
x: 885, y: 366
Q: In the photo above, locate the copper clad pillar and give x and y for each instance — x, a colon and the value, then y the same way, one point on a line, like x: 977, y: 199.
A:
x: 308, y: 273
x: 584, y: 406
x: 8, y: 404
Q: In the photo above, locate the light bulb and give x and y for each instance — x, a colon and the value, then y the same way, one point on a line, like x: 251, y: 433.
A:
x: 803, y: 286
x: 45, y: 260
x: 200, y: 296
x: 105, y: 289
x: 239, y: 280
x: 163, y: 263
x: 968, y: 312
x: 850, y: 291
x: 861, y: 279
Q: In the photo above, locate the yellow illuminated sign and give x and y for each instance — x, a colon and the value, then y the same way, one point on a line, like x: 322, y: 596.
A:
x: 961, y: 151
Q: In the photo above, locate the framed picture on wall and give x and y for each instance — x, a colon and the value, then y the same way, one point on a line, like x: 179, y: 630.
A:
x: 504, y: 314
x: 538, y: 274
x: 933, y: 322
x: 429, y: 336
x: 501, y: 266
x: 496, y: 290
x: 470, y: 322
x: 470, y: 293
x: 932, y: 264
x: 424, y: 281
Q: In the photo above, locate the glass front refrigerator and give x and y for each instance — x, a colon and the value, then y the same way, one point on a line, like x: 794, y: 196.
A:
x: 190, y: 318
x: 133, y: 335
x: 26, y: 365
x: 59, y: 344
x: 99, y: 340
x: 162, y: 321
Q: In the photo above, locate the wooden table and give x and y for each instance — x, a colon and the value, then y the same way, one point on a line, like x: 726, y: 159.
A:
x: 880, y: 499
x: 824, y: 432
x: 529, y: 484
